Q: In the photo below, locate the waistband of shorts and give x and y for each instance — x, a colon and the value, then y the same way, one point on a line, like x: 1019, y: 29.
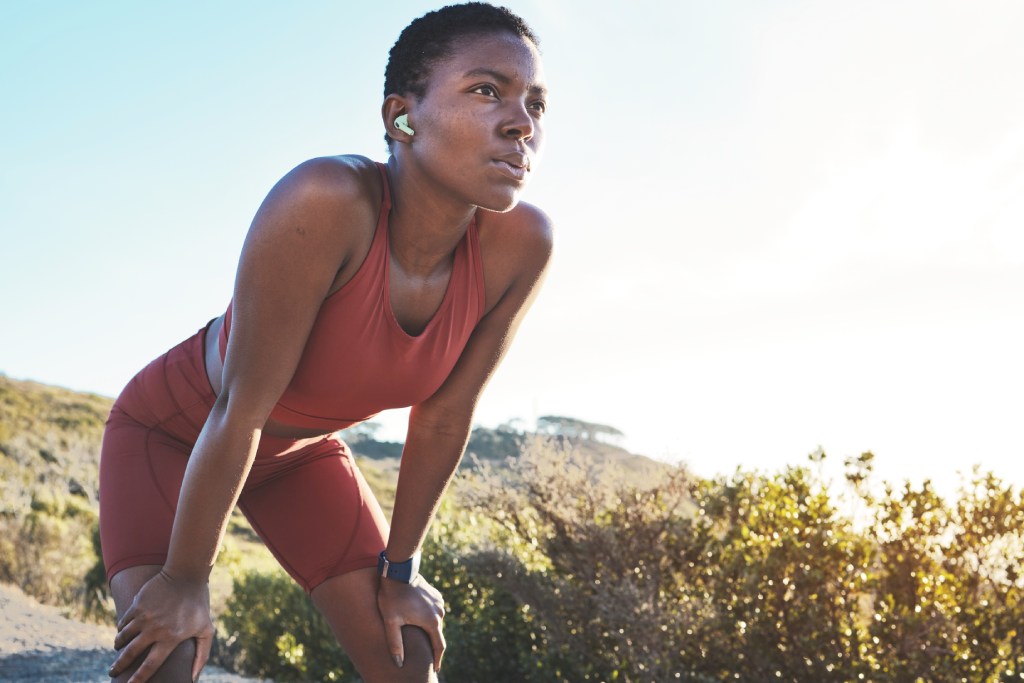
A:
x: 176, y: 386
x: 169, y: 385
x: 273, y: 449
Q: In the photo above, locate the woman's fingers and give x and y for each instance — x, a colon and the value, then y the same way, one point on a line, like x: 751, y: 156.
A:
x: 416, y: 604
x: 156, y: 657
x: 434, y: 632
x: 393, y: 634
x: 163, y: 614
x: 438, y: 644
x: 203, y: 645
x: 135, y: 649
x: 128, y: 616
x: 126, y: 634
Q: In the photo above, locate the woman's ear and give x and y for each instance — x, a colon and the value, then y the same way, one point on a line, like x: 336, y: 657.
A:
x: 395, y: 114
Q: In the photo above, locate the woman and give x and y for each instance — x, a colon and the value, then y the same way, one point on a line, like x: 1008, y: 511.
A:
x: 360, y: 287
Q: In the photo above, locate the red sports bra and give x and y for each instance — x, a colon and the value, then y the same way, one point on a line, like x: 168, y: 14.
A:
x: 358, y: 360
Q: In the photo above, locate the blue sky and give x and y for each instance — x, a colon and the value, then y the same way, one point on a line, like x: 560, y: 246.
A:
x: 780, y: 224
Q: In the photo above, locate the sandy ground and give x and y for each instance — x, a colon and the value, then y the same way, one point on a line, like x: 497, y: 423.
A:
x: 38, y: 644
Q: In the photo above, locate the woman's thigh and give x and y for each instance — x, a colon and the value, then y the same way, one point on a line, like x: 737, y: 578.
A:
x: 315, y: 513
x: 141, y: 471
x: 146, y: 446
x: 349, y: 604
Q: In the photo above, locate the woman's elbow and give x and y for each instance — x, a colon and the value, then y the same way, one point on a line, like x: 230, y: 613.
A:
x: 233, y: 412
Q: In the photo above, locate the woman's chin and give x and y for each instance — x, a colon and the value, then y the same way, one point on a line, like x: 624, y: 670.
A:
x: 503, y: 203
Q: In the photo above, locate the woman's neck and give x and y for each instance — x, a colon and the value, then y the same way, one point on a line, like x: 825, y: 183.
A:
x: 425, y: 225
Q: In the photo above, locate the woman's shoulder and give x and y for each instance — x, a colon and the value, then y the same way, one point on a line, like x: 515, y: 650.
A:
x: 346, y: 179
x: 524, y: 221
x: 524, y: 229
x: 515, y: 247
x: 323, y: 210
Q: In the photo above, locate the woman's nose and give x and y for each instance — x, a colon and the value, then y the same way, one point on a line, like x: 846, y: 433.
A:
x: 520, y: 124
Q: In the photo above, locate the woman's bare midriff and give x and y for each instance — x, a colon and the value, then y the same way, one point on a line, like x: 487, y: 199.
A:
x: 215, y: 371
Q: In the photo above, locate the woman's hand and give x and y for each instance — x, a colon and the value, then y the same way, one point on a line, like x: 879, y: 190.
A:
x: 165, y: 613
x: 411, y: 604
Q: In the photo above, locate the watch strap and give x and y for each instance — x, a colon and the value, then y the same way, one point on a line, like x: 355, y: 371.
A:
x: 398, y: 571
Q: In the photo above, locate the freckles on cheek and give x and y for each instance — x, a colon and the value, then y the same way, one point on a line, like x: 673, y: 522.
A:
x: 463, y: 122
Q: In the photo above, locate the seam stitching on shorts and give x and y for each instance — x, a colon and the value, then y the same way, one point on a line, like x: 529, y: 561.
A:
x: 360, y: 504
x: 153, y: 475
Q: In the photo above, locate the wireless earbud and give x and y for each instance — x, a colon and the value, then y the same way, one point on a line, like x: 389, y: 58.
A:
x: 402, y: 124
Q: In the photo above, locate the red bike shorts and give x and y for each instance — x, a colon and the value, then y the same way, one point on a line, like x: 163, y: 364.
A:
x: 305, y: 498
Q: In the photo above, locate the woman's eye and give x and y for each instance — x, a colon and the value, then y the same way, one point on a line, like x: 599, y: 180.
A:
x: 486, y: 90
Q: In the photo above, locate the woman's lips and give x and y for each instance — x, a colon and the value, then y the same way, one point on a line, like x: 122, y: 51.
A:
x: 516, y: 172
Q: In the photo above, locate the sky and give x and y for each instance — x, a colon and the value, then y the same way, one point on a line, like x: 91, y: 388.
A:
x: 780, y: 225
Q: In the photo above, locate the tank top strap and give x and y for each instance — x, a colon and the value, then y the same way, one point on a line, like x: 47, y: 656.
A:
x: 476, y: 267
x: 385, y: 202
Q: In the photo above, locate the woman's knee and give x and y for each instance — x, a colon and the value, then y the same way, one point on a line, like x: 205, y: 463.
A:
x: 127, y: 583
x: 177, y: 668
x: 419, y: 655
x: 124, y: 586
x: 417, y: 666
x: 349, y: 604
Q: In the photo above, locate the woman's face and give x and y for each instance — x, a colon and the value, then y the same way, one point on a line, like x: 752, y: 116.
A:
x: 479, y: 126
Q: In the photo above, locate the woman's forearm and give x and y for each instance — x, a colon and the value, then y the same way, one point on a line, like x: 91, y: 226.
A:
x: 216, y: 471
x: 431, y: 454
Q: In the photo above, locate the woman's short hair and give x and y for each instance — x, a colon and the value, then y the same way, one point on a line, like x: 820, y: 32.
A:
x: 428, y: 40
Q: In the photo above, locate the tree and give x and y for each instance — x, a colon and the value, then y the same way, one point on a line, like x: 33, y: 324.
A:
x: 574, y: 429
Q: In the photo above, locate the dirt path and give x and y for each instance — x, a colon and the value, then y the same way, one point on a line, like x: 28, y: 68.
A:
x: 38, y: 644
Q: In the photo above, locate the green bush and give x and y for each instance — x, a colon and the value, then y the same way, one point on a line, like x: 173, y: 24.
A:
x: 551, y: 573
x: 948, y: 592
x: 758, y: 577
x: 597, y: 566
x: 48, y: 549
x: 490, y: 634
x: 49, y: 454
x: 270, y: 628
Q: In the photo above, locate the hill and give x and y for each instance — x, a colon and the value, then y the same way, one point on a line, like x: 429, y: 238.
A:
x: 49, y: 483
x: 49, y: 455
x: 500, y: 447
x: 49, y: 442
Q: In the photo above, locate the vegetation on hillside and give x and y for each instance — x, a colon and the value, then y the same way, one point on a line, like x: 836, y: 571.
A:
x: 749, y: 577
x: 556, y: 566
x: 49, y: 456
x: 49, y: 486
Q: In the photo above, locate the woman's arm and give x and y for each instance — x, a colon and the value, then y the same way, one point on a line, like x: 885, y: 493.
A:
x: 289, y: 262
x: 439, y: 427
x: 301, y: 237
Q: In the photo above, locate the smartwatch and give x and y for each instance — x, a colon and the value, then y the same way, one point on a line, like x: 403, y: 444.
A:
x: 398, y: 571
